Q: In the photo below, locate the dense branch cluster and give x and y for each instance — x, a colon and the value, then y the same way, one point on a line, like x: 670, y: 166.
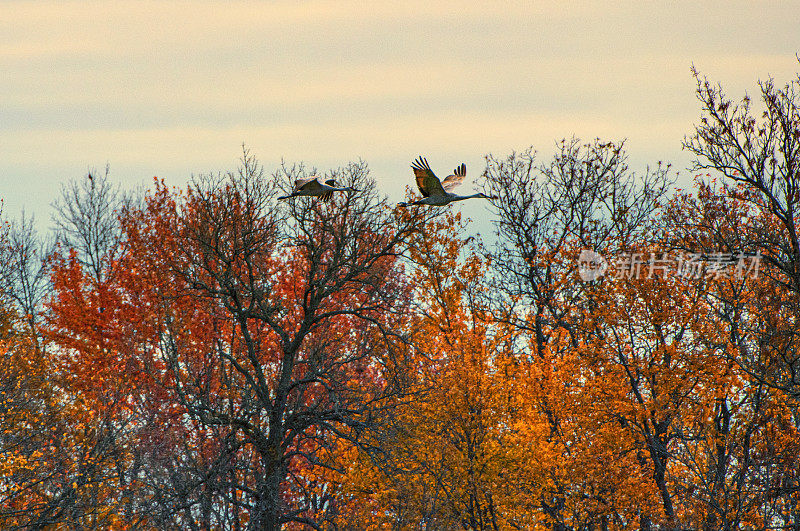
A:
x: 214, y: 358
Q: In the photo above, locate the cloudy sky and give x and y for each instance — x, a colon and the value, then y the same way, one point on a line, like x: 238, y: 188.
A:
x: 172, y: 89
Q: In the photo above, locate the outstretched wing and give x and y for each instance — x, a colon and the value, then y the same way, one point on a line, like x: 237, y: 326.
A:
x: 427, y: 181
x: 307, y: 183
x: 451, y: 181
x: 327, y: 197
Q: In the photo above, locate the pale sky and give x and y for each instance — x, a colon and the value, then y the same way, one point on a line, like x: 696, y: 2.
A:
x: 171, y: 89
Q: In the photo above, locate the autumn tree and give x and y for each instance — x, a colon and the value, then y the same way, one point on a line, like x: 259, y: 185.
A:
x: 585, y: 198
x: 753, y: 147
x: 759, y: 159
x: 57, y: 461
x: 262, y: 334
x: 452, y: 458
x: 746, y: 473
x: 651, y: 421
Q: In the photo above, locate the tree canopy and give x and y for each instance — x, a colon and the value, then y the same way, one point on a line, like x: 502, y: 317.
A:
x: 220, y: 357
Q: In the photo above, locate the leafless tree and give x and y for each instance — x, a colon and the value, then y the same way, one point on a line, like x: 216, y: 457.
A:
x: 586, y: 194
x: 24, y: 279
x: 763, y: 154
x: 86, y: 220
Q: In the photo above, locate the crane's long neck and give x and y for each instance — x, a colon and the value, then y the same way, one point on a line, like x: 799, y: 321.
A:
x: 473, y: 196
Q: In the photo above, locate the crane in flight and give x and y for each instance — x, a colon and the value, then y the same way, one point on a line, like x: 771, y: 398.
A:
x: 436, y: 192
x: 310, y: 186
